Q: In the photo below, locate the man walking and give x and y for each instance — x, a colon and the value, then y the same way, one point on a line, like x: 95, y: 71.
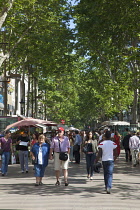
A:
x: 108, y: 152
x: 76, y: 148
x: 125, y: 143
x: 23, y: 142
x: 134, y: 143
x: 60, y: 143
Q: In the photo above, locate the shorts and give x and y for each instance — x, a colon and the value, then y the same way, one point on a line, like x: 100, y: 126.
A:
x: 39, y: 170
x: 58, y: 163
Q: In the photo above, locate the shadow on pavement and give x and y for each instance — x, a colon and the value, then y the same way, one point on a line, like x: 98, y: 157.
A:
x: 77, y: 179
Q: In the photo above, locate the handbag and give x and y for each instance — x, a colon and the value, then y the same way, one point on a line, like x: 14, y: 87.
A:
x: 13, y: 159
x: 1, y: 151
x: 62, y: 155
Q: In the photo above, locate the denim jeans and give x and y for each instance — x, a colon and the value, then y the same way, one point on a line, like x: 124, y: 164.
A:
x: 39, y: 170
x: 108, y: 167
x: 90, y: 158
x: 5, y: 160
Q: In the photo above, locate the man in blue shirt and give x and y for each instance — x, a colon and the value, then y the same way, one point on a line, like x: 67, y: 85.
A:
x: 76, y: 148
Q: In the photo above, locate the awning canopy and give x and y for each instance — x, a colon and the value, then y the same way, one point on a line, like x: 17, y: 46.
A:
x: 115, y: 122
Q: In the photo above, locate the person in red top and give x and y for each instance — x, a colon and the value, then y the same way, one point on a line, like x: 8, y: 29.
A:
x: 117, y: 141
x: 34, y: 139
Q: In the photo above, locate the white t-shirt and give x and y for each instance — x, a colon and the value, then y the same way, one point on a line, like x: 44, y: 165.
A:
x: 112, y: 135
x: 107, y: 147
x: 40, y: 162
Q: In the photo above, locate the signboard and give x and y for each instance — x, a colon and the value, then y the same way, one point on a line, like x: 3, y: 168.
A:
x: 63, y: 122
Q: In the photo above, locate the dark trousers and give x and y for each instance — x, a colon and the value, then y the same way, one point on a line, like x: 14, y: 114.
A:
x: 90, y: 158
x: 128, y: 154
x: 77, y: 155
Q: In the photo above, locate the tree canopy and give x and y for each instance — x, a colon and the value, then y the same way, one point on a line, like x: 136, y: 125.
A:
x: 84, y: 74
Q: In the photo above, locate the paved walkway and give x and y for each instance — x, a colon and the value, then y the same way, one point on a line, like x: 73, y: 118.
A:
x: 17, y: 191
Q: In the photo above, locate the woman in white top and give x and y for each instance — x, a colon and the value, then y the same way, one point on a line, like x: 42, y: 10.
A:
x: 108, y: 152
x: 40, y: 155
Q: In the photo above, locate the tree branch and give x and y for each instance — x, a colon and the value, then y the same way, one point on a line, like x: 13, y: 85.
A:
x: 4, y: 12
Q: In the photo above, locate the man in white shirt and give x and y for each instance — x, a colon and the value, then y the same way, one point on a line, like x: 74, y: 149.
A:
x: 106, y: 150
x: 134, y: 144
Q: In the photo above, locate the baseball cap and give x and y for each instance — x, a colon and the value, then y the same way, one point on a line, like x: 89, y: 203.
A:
x: 61, y: 129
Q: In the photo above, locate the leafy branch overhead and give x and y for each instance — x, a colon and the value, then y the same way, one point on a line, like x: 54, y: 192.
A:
x: 84, y: 74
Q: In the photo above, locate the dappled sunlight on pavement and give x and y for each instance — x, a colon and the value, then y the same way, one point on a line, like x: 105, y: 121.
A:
x: 17, y: 191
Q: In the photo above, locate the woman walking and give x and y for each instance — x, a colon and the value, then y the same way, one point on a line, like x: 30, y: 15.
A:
x: 6, y: 146
x: 117, y: 141
x: 40, y: 156
x: 91, y: 147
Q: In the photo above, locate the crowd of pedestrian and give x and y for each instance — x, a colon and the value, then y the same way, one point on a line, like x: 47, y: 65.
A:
x: 67, y: 147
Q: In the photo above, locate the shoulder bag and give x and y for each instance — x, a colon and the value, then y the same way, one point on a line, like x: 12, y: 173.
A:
x: 62, y: 155
x: 85, y: 149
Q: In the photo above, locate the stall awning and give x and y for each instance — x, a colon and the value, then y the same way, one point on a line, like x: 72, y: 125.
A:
x: 44, y: 127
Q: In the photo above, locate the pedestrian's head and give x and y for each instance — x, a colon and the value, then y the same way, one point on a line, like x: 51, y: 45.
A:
x: 116, y: 133
x: 41, y: 139
x: 7, y: 133
x: 134, y: 133
x: 60, y: 131
x: 76, y: 131
x: 90, y: 135
x: 35, y: 135
x: 107, y: 135
x: 138, y: 133
x: 24, y: 133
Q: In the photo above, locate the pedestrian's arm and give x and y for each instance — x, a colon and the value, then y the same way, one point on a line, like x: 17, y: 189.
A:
x: 18, y: 141
x: 11, y: 147
x: 115, y: 154
x: 51, y: 151
x: 68, y: 150
x: 32, y: 156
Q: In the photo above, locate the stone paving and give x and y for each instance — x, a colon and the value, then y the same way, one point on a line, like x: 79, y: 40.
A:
x: 17, y: 191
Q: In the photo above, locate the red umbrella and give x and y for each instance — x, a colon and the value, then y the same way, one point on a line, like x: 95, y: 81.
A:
x: 30, y: 122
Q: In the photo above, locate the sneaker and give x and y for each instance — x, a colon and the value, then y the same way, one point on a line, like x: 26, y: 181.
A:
x: 88, y: 176
x: 3, y: 174
x: 40, y: 183
x: 91, y: 178
x: 57, y: 183
x: 26, y: 172
x: 22, y: 172
x: 36, y: 184
x: 108, y: 190
x: 66, y: 183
